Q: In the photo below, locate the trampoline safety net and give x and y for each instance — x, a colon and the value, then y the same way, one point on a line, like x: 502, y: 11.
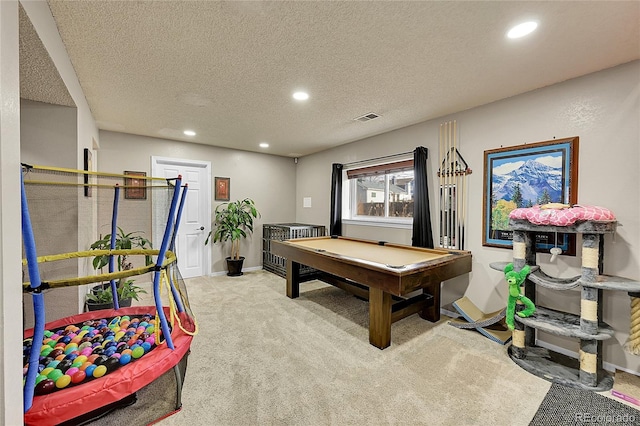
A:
x: 72, y: 215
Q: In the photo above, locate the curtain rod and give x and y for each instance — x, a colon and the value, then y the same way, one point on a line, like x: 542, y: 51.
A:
x: 378, y: 158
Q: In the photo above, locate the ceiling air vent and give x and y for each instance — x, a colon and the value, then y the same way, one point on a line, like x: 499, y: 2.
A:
x: 367, y: 117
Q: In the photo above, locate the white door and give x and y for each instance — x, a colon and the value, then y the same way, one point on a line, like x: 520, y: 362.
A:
x: 193, y: 255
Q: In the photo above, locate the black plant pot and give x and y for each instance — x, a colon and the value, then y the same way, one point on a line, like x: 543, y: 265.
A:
x: 234, y: 266
x: 92, y: 306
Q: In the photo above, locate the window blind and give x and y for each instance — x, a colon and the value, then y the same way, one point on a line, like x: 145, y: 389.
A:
x: 381, y: 169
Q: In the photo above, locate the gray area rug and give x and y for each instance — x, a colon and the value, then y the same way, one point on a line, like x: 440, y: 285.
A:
x: 568, y: 406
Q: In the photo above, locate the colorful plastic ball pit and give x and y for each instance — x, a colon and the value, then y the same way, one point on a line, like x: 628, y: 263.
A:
x: 75, y: 354
x: 40, y: 377
x: 55, y: 352
x: 137, y: 352
x: 99, y: 371
x: 89, y: 370
x: 111, y: 364
x: 100, y: 360
x: 78, y: 377
x: 53, y: 364
x: 63, y: 381
x: 55, y: 374
x: 45, y: 387
x: 85, y: 365
x: 125, y: 359
x: 64, y: 365
x: 46, y: 371
x: 72, y: 356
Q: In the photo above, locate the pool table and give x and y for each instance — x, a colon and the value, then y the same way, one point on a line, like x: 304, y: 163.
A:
x: 397, y: 280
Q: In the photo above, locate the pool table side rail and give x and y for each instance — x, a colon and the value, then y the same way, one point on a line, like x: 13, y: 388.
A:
x: 391, y: 280
x: 299, y: 242
x: 437, y: 251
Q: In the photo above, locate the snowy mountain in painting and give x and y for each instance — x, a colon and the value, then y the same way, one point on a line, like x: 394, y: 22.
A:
x: 533, y: 178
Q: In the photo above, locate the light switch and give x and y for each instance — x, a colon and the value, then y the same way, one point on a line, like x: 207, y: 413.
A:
x: 306, y: 202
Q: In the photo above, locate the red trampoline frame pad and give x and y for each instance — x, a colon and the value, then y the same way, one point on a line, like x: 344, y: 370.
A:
x: 66, y: 404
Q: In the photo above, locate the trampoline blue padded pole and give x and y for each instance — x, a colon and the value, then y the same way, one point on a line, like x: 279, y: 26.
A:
x: 172, y: 247
x: 114, y: 230
x: 38, y: 301
x: 163, y: 249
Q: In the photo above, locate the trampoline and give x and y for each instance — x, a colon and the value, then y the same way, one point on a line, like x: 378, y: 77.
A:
x: 102, y: 358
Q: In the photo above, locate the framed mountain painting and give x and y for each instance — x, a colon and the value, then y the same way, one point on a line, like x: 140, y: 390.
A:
x: 524, y: 176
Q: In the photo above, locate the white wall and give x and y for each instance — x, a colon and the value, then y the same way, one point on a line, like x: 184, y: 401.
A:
x: 11, y: 409
x: 10, y: 275
x: 602, y: 109
x: 48, y: 134
x: 267, y: 179
x: 44, y: 24
x: 86, y: 131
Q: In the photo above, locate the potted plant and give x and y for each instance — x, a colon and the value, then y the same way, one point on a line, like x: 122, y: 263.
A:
x: 100, y: 296
x: 233, y: 221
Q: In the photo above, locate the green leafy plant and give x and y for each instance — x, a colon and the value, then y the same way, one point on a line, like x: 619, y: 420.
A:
x: 125, y: 288
x: 233, y: 221
x: 123, y: 242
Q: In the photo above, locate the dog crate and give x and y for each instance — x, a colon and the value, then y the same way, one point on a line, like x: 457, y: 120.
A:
x: 286, y: 231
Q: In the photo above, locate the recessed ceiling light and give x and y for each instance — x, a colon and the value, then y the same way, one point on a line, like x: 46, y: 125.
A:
x: 522, y: 30
x: 264, y: 145
x: 300, y: 96
x: 189, y: 133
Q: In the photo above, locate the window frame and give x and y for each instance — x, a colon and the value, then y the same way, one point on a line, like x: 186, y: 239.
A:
x: 349, y: 193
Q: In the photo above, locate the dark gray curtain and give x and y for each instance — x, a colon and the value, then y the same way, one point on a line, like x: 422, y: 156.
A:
x: 335, y: 226
x: 422, y: 233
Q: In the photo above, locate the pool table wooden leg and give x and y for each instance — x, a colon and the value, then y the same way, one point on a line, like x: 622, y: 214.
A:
x: 379, y: 318
x: 293, y: 279
x: 431, y: 312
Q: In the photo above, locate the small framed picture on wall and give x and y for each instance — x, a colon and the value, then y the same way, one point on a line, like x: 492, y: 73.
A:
x: 135, y: 187
x: 222, y: 190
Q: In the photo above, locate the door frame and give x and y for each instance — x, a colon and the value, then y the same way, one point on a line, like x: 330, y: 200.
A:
x: 157, y: 160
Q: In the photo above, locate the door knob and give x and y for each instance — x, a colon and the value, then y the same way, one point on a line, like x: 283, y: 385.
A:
x: 202, y: 228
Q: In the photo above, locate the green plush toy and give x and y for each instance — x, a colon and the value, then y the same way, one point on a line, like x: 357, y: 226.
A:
x: 515, y: 280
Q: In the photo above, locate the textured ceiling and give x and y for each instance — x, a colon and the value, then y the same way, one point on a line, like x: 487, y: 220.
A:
x: 227, y: 69
x: 39, y: 78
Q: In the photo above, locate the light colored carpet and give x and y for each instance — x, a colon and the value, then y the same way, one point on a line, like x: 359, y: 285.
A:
x: 261, y: 358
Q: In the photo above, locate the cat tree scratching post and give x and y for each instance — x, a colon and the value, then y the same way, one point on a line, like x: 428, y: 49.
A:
x: 588, y: 327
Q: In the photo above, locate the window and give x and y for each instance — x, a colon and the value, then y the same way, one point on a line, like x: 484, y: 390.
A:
x: 381, y: 193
